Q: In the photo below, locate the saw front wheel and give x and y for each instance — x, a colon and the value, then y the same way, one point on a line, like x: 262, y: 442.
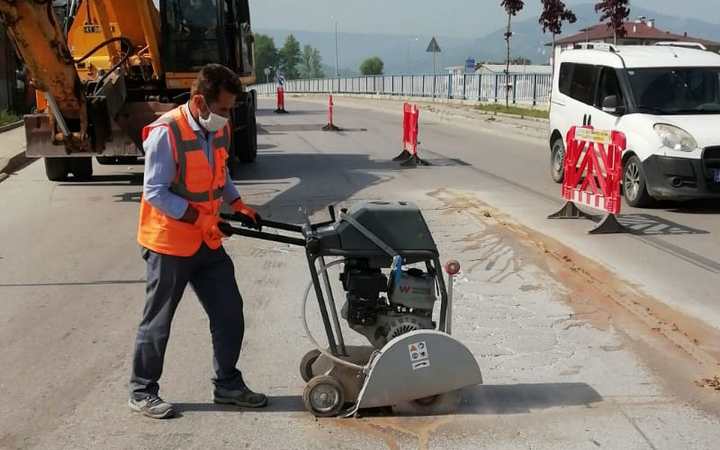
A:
x: 306, y: 364
x: 324, y: 396
x: 446, y: 403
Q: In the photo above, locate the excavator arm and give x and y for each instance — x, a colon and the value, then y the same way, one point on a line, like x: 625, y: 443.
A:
x: 81, y: 77
x: 40, y: 42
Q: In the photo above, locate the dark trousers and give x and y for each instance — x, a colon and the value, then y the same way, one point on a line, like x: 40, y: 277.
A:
x: 211, y: 274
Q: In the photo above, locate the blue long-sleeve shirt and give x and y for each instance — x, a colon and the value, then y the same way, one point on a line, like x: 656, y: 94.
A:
x: 160, y: 170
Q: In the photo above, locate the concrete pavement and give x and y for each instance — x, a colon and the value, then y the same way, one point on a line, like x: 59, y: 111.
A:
x: 565, y: 366
x: 12, y: 150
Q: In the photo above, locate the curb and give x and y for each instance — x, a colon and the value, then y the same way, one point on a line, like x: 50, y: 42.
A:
x: 509, y: 116
x: 535, y: 128
x: 425, y: 101
x: 485, y: 114
x: 11, y: 126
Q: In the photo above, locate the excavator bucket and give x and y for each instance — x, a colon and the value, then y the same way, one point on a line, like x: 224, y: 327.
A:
x: 418, y: 365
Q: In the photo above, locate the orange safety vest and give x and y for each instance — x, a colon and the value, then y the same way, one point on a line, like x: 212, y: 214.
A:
x: 194, y: 181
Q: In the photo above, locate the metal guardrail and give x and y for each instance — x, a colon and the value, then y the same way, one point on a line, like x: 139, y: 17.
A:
x: 522, y: 88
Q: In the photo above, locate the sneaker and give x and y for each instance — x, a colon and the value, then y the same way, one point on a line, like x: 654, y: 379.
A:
x: 239, y: 397
x: 152, y: 406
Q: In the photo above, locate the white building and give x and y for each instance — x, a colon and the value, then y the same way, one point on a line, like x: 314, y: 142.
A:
x: 489, y: 69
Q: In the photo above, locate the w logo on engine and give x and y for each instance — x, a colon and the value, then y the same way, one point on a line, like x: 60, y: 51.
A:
x: 405, y: 289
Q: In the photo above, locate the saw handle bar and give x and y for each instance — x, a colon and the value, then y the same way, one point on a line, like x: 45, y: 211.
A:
x: 253, y: 230
x: 230, y: 230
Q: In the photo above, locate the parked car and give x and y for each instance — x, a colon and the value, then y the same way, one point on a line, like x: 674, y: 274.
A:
x: 666, y: 99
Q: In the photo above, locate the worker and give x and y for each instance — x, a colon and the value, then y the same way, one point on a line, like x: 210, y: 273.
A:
x: 186, y: 181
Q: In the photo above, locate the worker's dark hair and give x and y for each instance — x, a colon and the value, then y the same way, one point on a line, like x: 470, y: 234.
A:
x: 213, y: 78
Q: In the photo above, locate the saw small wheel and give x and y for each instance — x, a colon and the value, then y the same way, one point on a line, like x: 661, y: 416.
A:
x: 324, y: 396
x: 440, y: 404
x: 306, y: 364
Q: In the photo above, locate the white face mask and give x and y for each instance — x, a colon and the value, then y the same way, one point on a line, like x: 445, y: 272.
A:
x: 214, y: 122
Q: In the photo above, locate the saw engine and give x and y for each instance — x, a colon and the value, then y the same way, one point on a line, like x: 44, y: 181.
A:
x: 382, y: 309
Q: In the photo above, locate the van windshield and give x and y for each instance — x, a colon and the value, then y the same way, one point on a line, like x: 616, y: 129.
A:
x: 676, y: 90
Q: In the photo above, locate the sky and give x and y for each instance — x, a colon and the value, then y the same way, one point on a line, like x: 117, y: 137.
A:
x: 461, y: 18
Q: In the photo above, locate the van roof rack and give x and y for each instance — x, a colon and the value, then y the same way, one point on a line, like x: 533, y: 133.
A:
x: 684, y: 44
x: 596, y: 46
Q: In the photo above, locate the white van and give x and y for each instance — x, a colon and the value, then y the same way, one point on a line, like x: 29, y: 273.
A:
x: 665, y: 99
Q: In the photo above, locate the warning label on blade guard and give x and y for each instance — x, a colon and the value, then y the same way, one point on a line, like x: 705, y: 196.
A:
x: 419, y: 355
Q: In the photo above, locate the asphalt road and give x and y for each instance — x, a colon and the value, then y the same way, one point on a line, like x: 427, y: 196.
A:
x: 673, y: 254
x: 72, y: 282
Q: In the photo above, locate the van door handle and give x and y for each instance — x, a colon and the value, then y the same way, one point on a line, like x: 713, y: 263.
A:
x: 589, y: 119
x: 584, y: 119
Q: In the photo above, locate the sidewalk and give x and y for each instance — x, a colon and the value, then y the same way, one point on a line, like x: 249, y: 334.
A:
x: 12, y: 150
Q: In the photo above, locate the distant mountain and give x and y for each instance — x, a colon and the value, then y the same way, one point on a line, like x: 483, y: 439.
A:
x: 529, y: 40
x: 403, y: 54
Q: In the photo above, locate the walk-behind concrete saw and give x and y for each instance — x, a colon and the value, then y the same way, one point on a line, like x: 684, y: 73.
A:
x: 392, y: 278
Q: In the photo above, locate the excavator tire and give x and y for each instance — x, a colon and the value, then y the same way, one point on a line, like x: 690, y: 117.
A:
x: 248, y: 152
x: 244, y: 139
x: 57, y: 169
x: 81, y: 168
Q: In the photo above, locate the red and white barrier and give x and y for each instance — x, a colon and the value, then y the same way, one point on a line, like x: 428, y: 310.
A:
x: 592, y: 175
x: 331, y: 124
x: 280, y: 100
x: 411, y: 130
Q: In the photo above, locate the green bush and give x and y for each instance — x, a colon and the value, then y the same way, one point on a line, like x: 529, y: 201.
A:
x: 514, y: 110
x: 7, y: 117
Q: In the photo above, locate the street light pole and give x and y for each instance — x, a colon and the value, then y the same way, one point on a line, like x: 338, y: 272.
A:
x: 407, y: 58
x: 337, y: 52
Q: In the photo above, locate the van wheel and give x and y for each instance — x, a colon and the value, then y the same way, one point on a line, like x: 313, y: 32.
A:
x: 557, y: 160
x: 634, y: 184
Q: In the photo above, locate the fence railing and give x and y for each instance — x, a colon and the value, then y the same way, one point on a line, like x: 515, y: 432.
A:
x: 522, y: 88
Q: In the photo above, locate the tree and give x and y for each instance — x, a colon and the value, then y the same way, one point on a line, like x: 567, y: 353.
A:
x: 372, y: 66
x: 512, y: 7
x: 616, y: 11
x: 290, y: 56
x: 311, y: 63
x: 266, y: 55
x: 554, y: 14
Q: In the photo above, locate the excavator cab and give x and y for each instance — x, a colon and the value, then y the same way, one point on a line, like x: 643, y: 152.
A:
x: 198, y: 32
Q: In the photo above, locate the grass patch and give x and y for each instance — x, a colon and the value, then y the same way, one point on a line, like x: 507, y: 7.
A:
x: 514, y: 110
x: 7, y: 117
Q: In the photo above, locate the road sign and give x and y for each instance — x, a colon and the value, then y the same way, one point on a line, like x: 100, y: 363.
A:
x: 470, y: 65
x: 433, y: 47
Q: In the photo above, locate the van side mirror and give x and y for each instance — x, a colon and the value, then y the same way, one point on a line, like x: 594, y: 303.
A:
x: 611, y: 105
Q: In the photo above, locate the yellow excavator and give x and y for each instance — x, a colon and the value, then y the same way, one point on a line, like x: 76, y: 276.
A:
x: 103, y: 69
